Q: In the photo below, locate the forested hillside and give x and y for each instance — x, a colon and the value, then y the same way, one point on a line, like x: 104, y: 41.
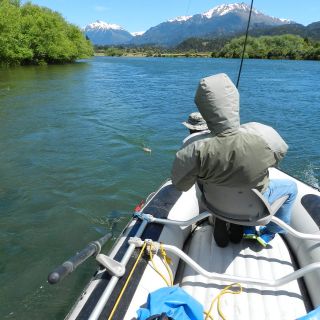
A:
x: 273, y: 47
x: 266, y: 47
x: 30, y: 34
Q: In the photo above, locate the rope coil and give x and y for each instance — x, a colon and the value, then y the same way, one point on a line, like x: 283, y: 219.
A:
x: 217, y: 298
x: 169, y: 282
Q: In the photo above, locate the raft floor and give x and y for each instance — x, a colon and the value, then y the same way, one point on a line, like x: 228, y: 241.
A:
x: 248, y: 259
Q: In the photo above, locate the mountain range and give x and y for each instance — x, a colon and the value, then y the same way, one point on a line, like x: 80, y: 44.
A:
x: 225, y: 20
x: 103, y: 33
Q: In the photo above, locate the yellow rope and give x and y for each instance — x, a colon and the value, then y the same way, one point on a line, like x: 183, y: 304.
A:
x: 166, y: 260
x: 156, y: 269
x: 126, y: 283
x: 208, y: 315
x: 218, y: 297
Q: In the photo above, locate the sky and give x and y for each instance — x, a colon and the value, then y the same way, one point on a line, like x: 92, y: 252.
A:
x: 140, y: 15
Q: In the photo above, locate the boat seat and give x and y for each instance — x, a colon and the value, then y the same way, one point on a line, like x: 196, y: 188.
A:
x: 243, y: 259
x: 241, y: 206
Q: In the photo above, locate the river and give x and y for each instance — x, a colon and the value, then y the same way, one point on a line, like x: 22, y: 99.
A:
x: 72, y: 165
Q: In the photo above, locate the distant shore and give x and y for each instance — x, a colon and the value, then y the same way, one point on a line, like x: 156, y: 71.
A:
x: 283, y: 47
x: 162, y: 55
x: 187, y: 55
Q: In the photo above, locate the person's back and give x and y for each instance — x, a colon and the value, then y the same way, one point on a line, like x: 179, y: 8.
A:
x: 231, y: 155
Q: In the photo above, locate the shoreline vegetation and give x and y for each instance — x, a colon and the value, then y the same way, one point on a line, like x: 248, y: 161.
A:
x: 31, y: 34
x: 35, y: 35
x: 289, y: 47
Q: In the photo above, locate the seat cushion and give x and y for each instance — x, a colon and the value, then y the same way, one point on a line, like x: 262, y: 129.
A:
x: 246, y: 259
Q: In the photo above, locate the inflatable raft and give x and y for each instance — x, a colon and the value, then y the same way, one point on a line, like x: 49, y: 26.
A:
x: 169, y: 242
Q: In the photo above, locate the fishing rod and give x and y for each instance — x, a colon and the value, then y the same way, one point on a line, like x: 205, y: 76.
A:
x: 245, y: 44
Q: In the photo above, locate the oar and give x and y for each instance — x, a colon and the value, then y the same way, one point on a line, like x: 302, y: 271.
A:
x: 93, y: 248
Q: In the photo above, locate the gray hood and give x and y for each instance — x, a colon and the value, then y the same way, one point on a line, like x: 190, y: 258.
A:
x: 217, y: 99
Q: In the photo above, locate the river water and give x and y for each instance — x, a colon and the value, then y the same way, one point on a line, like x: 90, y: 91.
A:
x: 72, y: 165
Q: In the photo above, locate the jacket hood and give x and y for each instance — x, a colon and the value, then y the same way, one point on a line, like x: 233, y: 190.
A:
x: 217, y: 99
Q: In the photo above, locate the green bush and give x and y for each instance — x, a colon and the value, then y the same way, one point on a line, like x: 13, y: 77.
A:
x: 30, y: 34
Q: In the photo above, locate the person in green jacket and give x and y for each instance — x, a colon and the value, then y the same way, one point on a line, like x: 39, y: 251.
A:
x: 223, y: 232
x: 231, y: 155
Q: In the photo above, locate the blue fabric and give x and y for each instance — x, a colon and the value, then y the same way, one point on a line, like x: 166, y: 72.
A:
x: 313, y: 315
x: 276, y: 189
x: 173, y: 301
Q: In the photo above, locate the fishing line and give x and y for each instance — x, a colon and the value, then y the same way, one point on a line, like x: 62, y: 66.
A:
x: 245, y: 44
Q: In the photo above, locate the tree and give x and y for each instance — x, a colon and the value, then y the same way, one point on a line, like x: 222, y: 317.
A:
x: 13, y: 44
x: 31, y: 34
x: 270, y: 47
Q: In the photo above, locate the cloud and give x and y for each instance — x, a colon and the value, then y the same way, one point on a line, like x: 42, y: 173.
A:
x: 100, y: 8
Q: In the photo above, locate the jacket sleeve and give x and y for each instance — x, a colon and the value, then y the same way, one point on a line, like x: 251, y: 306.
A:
x: 275, y: 142
x: 273, y: 139
x: 185, y: 168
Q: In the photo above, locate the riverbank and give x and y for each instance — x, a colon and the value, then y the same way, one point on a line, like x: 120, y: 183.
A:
x: 284, y: 47
x: 189, y: 55
x: 159, y: 55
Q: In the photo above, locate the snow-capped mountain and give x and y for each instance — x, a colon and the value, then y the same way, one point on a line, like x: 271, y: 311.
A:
x: 181, y: 18
x: 103, y: 33
x: 101, y: 25
x: 138, y: 33
x: 222, y: 20
x: 227, y: 8
x: 240, y: 8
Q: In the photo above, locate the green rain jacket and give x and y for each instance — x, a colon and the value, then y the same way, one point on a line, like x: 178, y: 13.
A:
x: 230, y: 155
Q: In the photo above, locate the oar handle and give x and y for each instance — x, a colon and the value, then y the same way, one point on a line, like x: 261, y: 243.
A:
x: 71, y: 264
